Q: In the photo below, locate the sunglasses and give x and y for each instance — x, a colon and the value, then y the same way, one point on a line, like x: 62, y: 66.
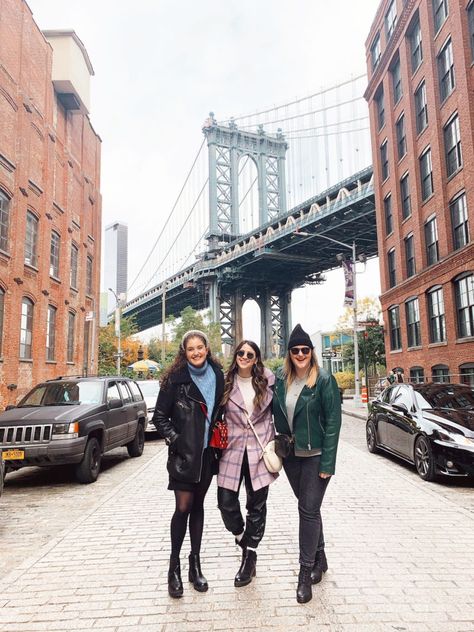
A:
x: 297, y: 350
x: 250, y: 355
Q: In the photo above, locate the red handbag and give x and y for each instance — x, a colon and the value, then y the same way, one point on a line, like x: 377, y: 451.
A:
x: 219, y: 437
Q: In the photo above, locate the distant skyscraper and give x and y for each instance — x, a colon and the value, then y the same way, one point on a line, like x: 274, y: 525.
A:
x: 116, y: 260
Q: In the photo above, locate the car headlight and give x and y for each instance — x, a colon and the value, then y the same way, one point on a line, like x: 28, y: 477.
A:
x: 455, y: 438
x: 66, y: 430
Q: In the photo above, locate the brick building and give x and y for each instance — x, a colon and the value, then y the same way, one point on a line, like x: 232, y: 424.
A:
x: 50, y: 205
x: 420, y: 56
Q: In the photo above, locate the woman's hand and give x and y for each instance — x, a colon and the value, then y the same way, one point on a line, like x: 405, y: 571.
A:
x: 324, y: 475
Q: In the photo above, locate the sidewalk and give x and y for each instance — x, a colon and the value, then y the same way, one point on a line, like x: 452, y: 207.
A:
x: 401, y: 557
x: 348, y: 408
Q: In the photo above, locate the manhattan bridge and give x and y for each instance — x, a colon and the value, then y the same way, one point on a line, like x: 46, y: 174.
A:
x: 260, y: 212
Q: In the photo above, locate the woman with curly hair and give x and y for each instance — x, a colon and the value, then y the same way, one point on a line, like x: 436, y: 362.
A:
x: 247, y: 393
x: 186, y: 411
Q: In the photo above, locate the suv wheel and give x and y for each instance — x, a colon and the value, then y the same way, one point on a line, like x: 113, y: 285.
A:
x: 135, y: 447
x: 88, y: 469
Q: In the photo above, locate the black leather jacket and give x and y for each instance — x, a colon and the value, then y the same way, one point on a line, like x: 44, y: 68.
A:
x: 180, y: 418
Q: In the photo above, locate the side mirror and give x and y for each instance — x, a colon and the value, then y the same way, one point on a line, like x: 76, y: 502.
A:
x: 401, y: 408
x: 115, y: 403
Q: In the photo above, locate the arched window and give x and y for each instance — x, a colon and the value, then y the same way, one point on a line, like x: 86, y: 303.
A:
x: 4, y: 221
x: 26, y: 328
x: 417, y: 374
x: 440, y: 373
x: 467, y: 373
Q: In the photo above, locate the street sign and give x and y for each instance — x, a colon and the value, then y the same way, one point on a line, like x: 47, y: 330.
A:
x: 329, y: 354
x: 89, y: 316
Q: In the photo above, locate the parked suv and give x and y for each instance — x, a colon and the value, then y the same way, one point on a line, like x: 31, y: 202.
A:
x: 74, y: 420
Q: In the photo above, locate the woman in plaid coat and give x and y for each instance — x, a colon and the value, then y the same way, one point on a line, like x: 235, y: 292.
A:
x: 247, y: 392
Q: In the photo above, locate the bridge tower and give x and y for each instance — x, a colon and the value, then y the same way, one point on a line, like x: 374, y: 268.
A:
x: 226, y: 146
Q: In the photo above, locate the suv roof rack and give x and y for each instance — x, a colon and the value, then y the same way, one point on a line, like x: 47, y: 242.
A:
x: 64, y: 377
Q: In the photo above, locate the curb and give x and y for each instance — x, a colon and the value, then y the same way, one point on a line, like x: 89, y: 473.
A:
x: 353, y: 413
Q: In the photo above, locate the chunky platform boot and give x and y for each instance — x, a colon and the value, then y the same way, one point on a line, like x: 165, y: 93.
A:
x: 248, y: 568
x: 304, y: 592
x: 195, y: 575
x: 175, y: 585
x: 320, y: 566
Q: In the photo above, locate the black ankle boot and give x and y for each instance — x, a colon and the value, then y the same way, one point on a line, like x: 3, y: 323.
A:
x: 248, y: 568
x: 304, y: 592
x: 175, y: 585
x: 320, y: 566
x: 195, y: 575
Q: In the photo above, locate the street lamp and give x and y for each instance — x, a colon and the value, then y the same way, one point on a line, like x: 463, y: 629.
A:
x: 340, y: 257
x: 118, y: 310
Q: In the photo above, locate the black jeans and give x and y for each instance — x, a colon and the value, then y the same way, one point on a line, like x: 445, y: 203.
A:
x: 228, y: 503
x: 309, y: 488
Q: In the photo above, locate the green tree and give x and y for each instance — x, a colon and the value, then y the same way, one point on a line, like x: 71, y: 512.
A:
x: 371, y: 350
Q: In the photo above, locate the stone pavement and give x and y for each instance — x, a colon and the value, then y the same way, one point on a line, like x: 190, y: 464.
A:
x: 401, y: 557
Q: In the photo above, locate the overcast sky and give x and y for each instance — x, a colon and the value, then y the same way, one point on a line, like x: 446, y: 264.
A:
x: 162, y: 65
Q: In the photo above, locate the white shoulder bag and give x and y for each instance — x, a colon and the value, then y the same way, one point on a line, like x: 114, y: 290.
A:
x: 272, y: 461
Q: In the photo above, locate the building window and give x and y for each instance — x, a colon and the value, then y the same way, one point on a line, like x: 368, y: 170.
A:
x: 452, y: 146
x: 436, y: 315
x: 467, y: 374
x: 431, y: 241
x: 51, y: 333
x: 89, y: 276
x: 405, y: 196
x: 440, y: 373
x: 375, y: 51
x: 421, y: 108
x: 2, y: 310
x: 401, y: 137
x: 470, y: 19
x: 396, y: 81
x: 412, y: 308
x: 31, y: 240
x: 26, y: 329
x: 54, y: 255
x: 74, y: 265
x: 390, y: 19
x: 410, y: 256
x: 446, y: 70
x: 384, y: 159
x: 392, y: 274
x: 380, y: 108
x: 440, y: 13
x: 464, y: 292
x: 387, y: 207
x: 417, y: 374
x: 71, y: 328
x: 459, y: 221
x: 4, y: 221
x: 395, y: 331
x: 426, y: 174
x: 416, y: 48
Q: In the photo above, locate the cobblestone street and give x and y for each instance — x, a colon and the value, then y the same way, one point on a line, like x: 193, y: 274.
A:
x: 400, y: 552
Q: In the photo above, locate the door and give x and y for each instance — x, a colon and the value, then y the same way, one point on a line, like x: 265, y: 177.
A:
x: 402, y: 421
x: 131, y: 409
x: 116, y: 417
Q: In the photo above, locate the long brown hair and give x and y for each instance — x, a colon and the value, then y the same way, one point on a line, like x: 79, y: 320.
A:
x: 259, y: 381
x: 180, y: 360
x: 289, y: 372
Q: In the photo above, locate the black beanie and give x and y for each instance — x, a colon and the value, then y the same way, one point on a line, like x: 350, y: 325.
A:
x: 299, y: 337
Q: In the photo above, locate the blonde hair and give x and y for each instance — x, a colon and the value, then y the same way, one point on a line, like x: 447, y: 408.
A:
x: 289, y: 372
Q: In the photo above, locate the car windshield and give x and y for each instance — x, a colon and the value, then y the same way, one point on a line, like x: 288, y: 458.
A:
x: 150, y: 388
x: 444, y: 396
x: 64, y: 393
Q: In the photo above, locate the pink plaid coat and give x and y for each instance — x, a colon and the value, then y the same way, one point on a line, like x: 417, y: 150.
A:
x: 241, y: 438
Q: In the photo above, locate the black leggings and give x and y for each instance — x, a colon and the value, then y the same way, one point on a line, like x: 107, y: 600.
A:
x: 189, y: 504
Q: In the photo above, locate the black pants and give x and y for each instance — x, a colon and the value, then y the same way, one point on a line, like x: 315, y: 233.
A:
x: 228, y: 502
x: 309, y: 489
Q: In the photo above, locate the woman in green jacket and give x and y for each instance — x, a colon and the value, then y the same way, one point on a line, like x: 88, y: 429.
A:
x: 307, y: 407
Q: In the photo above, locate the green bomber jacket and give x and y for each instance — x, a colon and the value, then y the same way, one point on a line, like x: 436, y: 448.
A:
x: 317, y: 418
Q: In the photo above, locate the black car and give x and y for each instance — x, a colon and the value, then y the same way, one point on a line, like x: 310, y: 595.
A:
x: 429, y: 425
x: 74, y: 421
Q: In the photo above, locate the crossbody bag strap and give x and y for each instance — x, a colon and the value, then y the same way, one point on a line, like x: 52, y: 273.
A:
x: 254, y: 431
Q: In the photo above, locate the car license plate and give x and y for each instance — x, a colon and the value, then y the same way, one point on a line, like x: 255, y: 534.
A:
x: 13, y: 455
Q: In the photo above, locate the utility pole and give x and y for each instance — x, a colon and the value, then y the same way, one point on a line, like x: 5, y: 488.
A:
x: 163, y: 325
x: 118, y: 333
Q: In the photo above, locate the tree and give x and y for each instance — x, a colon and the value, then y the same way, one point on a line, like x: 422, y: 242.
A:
x: 368, y: 309
x: 108, y: 346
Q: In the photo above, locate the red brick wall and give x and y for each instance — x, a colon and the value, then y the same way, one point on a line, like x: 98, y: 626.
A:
x: 455, y: 351
x: 50, y: 165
